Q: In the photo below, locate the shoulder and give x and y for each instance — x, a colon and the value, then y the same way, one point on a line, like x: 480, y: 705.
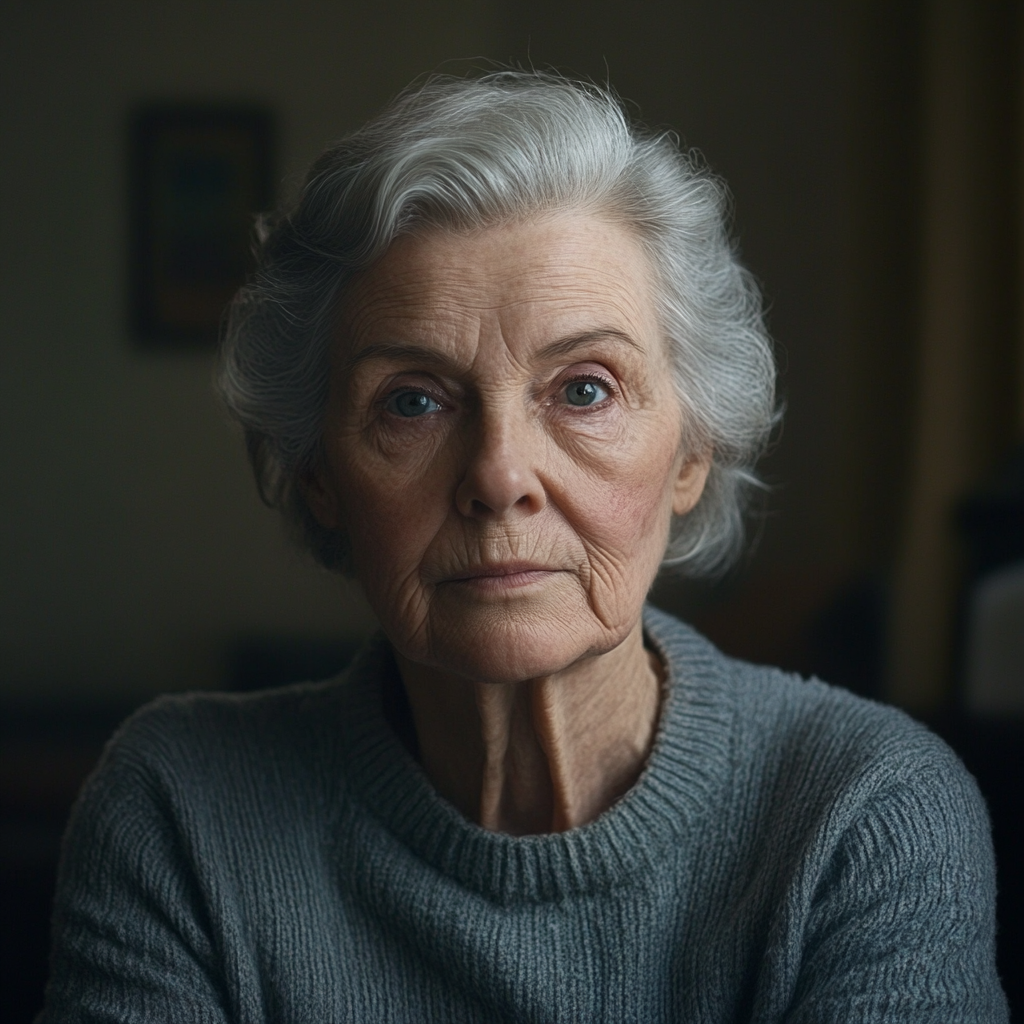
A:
x: 816, y: 750
x: 187, y: 731
x: 201, y: 805
x: 860, y: 834
x: 190, y: 778
x: 191, y: 756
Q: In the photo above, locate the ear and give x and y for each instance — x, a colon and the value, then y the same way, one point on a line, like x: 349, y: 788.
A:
x: 689, y: 484
x: 320, y: 498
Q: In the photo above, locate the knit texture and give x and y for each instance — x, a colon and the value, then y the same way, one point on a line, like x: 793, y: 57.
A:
x: 790, y: 853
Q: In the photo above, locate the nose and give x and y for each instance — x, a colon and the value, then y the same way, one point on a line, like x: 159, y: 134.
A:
x: 501, y: 471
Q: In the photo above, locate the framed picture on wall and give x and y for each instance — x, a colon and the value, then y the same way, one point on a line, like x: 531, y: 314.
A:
x: 199, y: 174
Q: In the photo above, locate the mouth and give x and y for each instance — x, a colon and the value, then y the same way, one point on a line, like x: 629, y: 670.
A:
x: 505, y: 576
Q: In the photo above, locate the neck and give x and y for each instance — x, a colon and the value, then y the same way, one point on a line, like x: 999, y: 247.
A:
x: 541, y: 755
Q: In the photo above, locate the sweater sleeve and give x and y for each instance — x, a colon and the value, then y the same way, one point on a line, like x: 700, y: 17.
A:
x: 902, y: 922
x: 130, y: 942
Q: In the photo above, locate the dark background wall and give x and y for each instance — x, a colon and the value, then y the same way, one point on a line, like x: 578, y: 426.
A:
x: 135, y: 556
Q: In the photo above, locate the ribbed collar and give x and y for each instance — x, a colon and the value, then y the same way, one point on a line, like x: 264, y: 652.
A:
x: 688, y: 766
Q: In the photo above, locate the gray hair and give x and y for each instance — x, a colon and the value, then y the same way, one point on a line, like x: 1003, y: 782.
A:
x: 468, y: 153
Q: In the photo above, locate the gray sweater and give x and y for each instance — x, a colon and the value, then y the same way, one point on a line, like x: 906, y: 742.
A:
x: 790, y: 853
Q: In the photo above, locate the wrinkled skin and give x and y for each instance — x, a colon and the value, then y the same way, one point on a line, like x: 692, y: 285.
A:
x: 503, y: 448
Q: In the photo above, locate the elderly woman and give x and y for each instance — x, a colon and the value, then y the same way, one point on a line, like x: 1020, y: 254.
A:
x: 500, y: 363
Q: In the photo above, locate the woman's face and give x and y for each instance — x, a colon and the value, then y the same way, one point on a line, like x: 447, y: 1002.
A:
x: 503, y: 444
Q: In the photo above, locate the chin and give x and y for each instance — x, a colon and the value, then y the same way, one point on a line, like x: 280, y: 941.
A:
x: 495, y: 644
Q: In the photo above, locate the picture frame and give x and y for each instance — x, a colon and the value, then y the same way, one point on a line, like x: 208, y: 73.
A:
x: 199, y: 174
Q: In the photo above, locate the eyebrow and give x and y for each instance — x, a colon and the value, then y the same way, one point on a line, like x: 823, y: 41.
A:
x: 562, y: 347
x: 385, y: 350
x: 574, y: 341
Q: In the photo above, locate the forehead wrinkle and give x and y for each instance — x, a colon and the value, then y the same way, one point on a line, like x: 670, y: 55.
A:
x: 438, y: 302
x: 365, y: 314
x: 440, y: 287
x: 398, y: 332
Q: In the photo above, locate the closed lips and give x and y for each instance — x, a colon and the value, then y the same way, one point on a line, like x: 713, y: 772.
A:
x: 512, y: 569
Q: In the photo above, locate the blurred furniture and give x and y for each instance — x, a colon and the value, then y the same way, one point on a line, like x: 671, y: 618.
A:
x: 987, y: 726
x: 994, y: 662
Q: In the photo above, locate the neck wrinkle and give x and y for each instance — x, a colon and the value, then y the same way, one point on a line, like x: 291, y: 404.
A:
x: 545, y: 716
x: 548, y: 754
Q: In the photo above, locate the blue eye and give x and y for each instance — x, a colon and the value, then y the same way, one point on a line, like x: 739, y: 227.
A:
x: 585, y: 392
x: 411, y: 403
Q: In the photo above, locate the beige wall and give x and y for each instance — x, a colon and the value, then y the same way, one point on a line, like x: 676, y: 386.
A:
x: 133, y: 550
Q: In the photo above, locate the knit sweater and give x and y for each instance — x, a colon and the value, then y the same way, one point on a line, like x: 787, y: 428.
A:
x: 789, y: 853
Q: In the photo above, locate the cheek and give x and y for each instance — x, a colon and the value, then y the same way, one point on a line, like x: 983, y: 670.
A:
x: 625, y: 510
x: 633, y: 516
x: 390, y: 519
